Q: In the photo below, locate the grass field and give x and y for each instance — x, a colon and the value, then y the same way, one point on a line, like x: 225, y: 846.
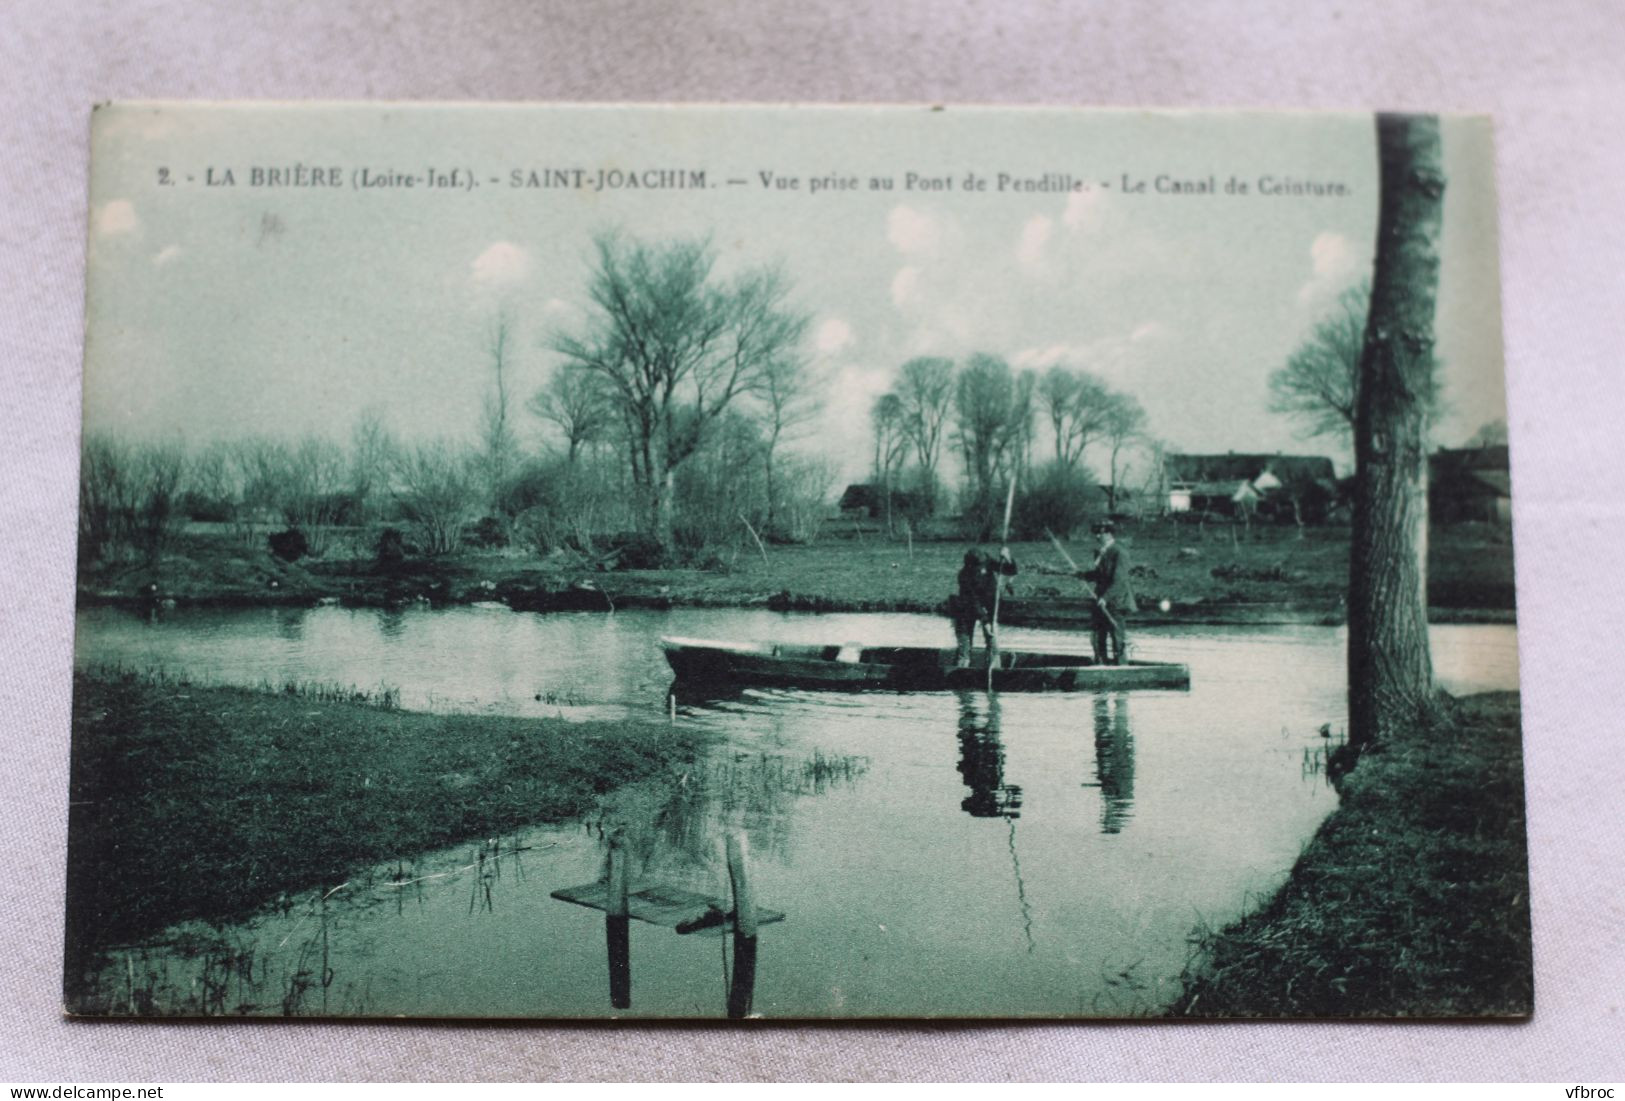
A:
x: 209, y: 802
x: 1412, y: 898
x: 1470, y: 567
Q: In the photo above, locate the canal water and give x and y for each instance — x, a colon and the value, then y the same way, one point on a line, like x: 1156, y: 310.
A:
x: 933, y: 854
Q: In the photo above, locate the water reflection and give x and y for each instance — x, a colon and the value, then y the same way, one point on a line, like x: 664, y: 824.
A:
x: 391, y: 624
x: 290, y: 623
x: 934, y: 874
x: 981, y: 759
x: 1114, y: 761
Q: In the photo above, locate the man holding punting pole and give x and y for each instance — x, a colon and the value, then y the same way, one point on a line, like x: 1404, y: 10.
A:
x: 972, y: 602
x: 1113, y: 593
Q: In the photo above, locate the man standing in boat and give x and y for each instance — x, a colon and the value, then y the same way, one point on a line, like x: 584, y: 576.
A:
x: 1113, y: 593
x: 972, y: 602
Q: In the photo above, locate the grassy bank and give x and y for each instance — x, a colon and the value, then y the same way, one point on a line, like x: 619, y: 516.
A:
x: 193, y: 802
x: 1411, y: 899
x: 1470, y: 567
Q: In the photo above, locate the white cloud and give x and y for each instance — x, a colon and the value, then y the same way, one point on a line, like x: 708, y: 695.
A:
x: 116, y: 218
x: 1332, y: 262
x: 503, y: 262
x: 905, y: 286
x: 1041, y: 357
x: 833, y: 335
x: 1034, y: 236
x: 166, y: 255
x: 1082, y: 210
x: 911, y: 232
x: 1115, y: 358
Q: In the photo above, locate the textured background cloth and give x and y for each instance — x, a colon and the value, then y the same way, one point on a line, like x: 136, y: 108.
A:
x: 1553, y: 74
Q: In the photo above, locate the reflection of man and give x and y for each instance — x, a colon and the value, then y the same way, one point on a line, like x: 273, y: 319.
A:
x: 1114, y: 762
x: 981, y: 762
x: 978, y: 582
x: 1114, y: 595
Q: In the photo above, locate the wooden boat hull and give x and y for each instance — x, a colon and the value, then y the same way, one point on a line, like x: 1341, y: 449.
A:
x: 904, y: 669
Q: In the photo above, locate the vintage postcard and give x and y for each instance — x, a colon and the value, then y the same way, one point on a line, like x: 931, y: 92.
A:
x: 721, y: 562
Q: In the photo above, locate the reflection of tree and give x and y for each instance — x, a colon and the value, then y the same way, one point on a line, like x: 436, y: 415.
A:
x: 1114, y: 762
x: 391, y: 624
x: 290, y: 624
x: 674, y: 832
x: 981, y: 761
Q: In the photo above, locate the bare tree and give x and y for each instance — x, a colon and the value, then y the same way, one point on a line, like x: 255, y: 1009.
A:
x: 1390, y: 664
x: 1320, y: 382
x: 925, y: 391
x: 107, y: 497
x: 575, y: 401
x: 372, y: 455
x: 311, y: 493
x: 433, y: 489
x: 129, y: 497
x: 1075, y: 402
x: 498, y: 447
x: 1023, y: 426
x: 1489, y: 434
x: 1124, y: 426
x: 676, y: 349
x: 792, y: 396
x: 886, y: 416
x: 990, y: 417
x: 257, y: 468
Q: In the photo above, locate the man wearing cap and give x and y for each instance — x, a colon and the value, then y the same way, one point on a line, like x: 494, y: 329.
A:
x: 1113, y: 593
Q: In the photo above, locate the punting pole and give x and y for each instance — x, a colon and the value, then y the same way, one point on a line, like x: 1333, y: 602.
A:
x: 998, y: 584
x: 1088, y: 588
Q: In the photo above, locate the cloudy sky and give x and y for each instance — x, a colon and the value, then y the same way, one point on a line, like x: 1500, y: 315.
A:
x: 216, y: 311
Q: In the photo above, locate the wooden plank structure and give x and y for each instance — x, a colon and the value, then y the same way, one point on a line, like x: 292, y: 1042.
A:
x: 687, y: 912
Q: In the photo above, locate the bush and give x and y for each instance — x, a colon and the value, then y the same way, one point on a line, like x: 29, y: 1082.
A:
x: 559, y: 504
x: 290, y: 545
x: 634, y: 551
x: 1058, y: 502
x: 489, y: 534
x: 205, y: 509
x: 391, y: 549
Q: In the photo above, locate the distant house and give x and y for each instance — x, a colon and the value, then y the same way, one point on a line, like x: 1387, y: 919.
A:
x: 1470, y: 483
x: 866, y: 500
x: 1285, y: 487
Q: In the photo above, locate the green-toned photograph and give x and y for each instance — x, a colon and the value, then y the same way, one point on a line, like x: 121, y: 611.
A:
x: 793, y: 562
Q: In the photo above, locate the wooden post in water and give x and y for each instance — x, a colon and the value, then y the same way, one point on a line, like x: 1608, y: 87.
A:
x: 617, y: 922
x: 743, y: 987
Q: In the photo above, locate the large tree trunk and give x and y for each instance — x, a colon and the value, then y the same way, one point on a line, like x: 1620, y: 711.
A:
x: 1390, y: 667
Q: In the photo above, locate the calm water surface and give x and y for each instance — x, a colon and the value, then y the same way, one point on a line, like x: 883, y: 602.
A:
x: 934, y: 853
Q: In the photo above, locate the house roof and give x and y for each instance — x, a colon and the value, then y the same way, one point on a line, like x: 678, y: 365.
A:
x: 1232, y: 489
x: 1471, y: 471
x: 1471, y: 458
x: 1235, y: 467
x: 861, y: 495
